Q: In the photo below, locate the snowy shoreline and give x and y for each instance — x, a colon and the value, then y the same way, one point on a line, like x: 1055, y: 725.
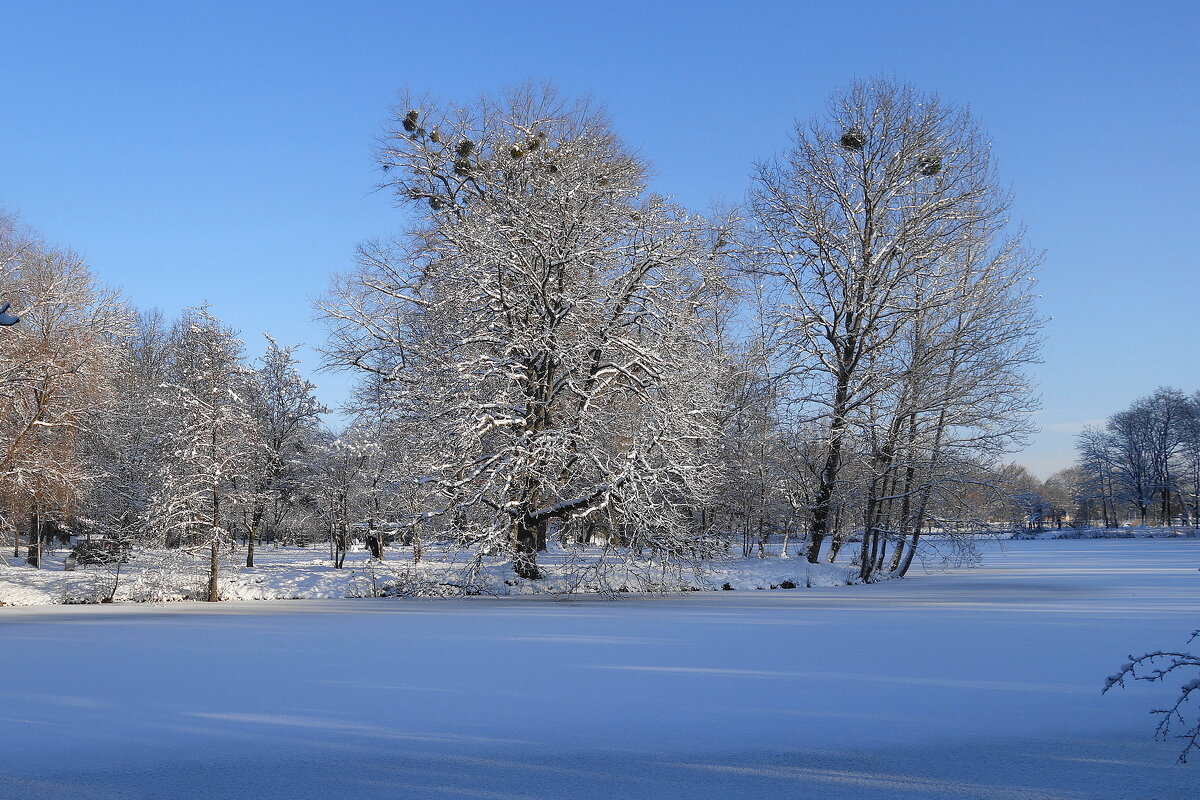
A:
x: 306, y: 574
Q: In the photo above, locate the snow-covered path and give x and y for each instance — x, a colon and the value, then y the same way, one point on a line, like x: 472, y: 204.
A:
x: 970, y: 684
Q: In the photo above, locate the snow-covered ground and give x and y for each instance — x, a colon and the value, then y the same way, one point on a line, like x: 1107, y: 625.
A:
x: 1127, y: 532
x: 979, y: 683
x: 296, y: 573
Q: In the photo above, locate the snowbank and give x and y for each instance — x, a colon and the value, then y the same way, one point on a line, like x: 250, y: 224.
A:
x: 296, y: 573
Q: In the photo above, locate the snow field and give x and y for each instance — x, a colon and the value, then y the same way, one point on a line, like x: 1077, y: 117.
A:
x: 977, y: 683
x: 306, y: 573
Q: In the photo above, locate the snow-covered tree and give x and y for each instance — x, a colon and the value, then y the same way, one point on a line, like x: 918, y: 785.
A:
x: 1065, y: 492
x: 215, y: 446
x: 342, y: 486
x: 1189, y: 461
x: 959, y: 395
x: 882, y: 228
x: 56, y: 379
x: 544, y: 317
x: 288, y: 416
x: 127, y: 443
x: 754, y: 497
x: 1147, y: 456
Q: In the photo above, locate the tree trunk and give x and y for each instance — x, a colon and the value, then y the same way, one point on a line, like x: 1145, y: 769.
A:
x: 250, y: 537
x: 213, y: 595
x: 822, y: 507
x: 525, y: 536
x: 912, y: 550
x: 343, y: 544
x: 897, y: 555
x: 380, y: 544
x: 882, y: 486
x: 255, y: 522
x: 910, y: 473
x: 35, y: 537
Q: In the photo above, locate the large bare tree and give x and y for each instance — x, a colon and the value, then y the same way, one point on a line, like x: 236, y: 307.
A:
x: 56, y: 378
x: 873, y: 225
x: 548, y: 318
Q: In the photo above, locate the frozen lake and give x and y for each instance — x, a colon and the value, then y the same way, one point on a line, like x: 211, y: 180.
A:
x: 979, y: 683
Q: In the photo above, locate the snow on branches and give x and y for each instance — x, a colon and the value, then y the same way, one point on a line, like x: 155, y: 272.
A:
x: 1155, y: 667
x: 542, y: 326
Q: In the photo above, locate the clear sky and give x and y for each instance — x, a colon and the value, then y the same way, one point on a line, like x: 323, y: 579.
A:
x: 223, y: 151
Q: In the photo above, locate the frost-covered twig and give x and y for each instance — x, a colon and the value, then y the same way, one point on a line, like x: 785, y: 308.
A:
x: 1156, y: 666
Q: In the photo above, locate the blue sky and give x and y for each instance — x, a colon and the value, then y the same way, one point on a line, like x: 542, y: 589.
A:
x: 223, y: 151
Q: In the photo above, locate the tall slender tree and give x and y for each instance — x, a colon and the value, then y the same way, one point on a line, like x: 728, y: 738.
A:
x: 288, y: 415
x: 869, y: 224
x: 215, y: 445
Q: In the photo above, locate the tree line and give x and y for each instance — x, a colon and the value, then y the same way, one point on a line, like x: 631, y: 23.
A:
x: 552, y: 355
x: 1143, y: 464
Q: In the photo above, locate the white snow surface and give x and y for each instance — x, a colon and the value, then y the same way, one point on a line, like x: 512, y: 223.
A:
x: 981, y: 683
x: 296, y: 573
